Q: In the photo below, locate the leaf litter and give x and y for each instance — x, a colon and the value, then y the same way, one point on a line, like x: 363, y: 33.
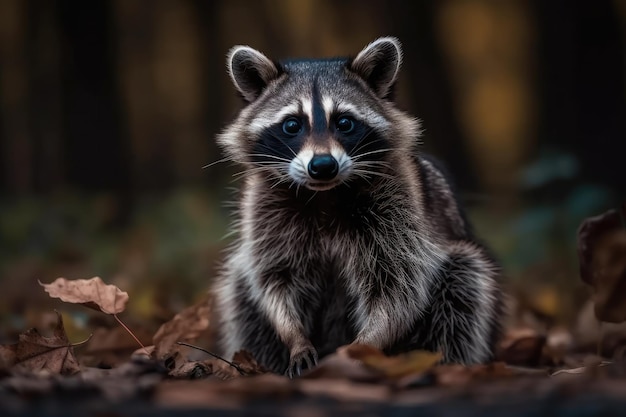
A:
x: 37, y: 353
x: 170, y: 372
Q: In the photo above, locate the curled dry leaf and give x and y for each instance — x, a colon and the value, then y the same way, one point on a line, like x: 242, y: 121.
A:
x: 602, y: 257
x: 521, y: 346
x: 34, y: 352
x: 92, y: 293
x: 393, y: 367
x: 186, y: 326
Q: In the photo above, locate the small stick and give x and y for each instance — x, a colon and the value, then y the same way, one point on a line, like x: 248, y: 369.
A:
x: 234, y: 365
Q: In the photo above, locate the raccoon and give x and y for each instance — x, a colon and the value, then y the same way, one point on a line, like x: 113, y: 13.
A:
x: 347, y: 233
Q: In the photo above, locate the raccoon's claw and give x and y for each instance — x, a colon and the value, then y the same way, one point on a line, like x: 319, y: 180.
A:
x: 306, y: 356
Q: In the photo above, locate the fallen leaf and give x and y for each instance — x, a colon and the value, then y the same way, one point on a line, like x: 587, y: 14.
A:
x: 224, y: 371
x: 393, y: 367
x: 589, y: 231
x: 247, y: 364
x: 602, y: 258
x: 452, y: 375
x: 186, y: 326
x: 180, y: 367
x: 241, y: 364
x: 34, y: 352
x: 521, y: 346
x: 123, y: 384
x: 92, y: 293
x: 111, y: 346
x: 191, y: 370
x: 339, y: 365
x: 609, y: 267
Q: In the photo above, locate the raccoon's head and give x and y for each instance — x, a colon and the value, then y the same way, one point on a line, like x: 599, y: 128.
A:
x: 318, y: 123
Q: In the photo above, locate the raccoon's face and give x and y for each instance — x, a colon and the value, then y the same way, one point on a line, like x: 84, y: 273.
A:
x: 317, y: 123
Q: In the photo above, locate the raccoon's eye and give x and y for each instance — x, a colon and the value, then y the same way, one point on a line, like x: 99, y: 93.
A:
x: 292, y: 126
x: 344, y: 124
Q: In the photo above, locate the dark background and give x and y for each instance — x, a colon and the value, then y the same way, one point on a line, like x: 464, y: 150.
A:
x: 109, y: 109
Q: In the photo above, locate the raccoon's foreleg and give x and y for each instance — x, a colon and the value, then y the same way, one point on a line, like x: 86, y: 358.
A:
x: 461, y: 321
x: 282, y: 301
x: 389, y: 297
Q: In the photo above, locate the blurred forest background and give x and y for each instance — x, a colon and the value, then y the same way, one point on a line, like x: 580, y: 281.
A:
x: 109, y: 109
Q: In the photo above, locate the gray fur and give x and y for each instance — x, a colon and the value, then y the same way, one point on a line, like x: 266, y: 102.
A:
x: 381, y: 256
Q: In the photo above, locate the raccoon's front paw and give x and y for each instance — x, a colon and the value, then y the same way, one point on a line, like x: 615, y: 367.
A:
x: 304, y: 354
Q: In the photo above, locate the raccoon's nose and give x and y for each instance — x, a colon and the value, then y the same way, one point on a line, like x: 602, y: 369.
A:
x: 323, y: 167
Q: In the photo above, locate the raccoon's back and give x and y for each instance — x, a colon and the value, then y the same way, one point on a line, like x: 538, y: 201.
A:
x: 441, y: 203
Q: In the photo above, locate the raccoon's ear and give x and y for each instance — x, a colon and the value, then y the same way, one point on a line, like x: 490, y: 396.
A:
x: 250, y: 71
x: 378, y: 64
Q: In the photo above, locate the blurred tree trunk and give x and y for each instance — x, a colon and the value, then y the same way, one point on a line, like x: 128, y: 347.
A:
x: 30, y: 96
x: 95, y: 144
x: 16, y: 146
x: 164, y: 88
x: 582, y: 83
x: 46, y: 95
x: 487, y: 47
x: 214, y: 84
x: 425, y: 86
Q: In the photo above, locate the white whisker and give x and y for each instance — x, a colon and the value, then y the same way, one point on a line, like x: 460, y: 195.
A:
x: 225, y: 159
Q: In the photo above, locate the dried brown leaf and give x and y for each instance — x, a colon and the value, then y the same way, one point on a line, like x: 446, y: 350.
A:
x: 34, y: 352
x: 589, y: 231
x: 242, y: 364
x: 247, y: 364
x: 339, y: 365
x: 225, y: 371
x: 522, y: 346
x: 602, y: 257
x: 114, y: 339
x: 609, y: 267
x: 454, y: 375
x: 186, y: 326
x: 111, y: 346
x: 92, y: 293
x: 192, y: 369
x: 399, y: 366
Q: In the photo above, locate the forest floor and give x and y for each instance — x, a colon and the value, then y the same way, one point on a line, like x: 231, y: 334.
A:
x: 540, y: 368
